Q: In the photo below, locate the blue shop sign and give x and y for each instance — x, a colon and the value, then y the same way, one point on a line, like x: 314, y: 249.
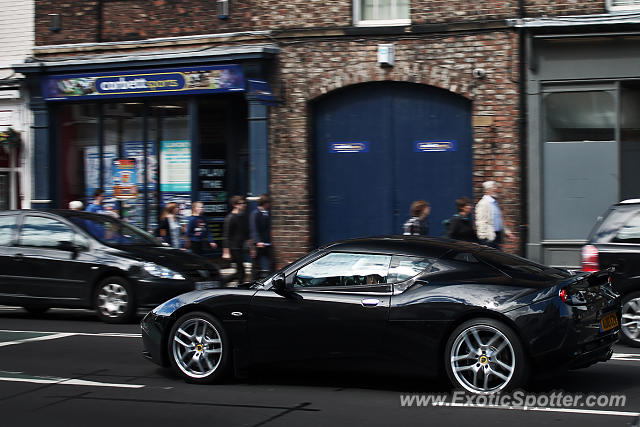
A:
x: 431, y: 146
x: 177, y: 81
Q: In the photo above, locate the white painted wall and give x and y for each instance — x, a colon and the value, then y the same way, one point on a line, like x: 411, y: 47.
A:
x: 17, y: 33
x: 17, y: 38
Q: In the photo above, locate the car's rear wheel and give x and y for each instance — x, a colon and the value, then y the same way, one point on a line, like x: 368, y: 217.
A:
x: 630, y: 321
x: 114, y: 301
x: 198, y: 348
x: 485, y: 356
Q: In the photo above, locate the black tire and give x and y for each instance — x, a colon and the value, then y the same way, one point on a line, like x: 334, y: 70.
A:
x: 114, y: 301
x: 485, y: 356
x: 630, y: 327
x: 195, y: 360
x: 35, y: 309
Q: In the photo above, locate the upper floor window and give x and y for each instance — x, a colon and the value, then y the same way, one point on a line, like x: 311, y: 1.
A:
x: 381, y: 12
x: 619, y: 5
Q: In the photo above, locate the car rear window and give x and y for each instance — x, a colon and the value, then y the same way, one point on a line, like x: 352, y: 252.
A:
x: 621, y: 224
x: 7, y: 229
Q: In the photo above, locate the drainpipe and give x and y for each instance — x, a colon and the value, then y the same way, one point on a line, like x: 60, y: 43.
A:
x: 522, y: 130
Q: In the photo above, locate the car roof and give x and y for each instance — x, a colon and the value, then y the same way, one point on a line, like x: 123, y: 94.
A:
x: 407, y: 245
x: 61, y: 212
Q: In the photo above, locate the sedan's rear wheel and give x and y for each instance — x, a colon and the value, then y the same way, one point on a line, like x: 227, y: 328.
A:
x: 485, y: 356
x: 198, y: 348
x: 114, y: 300
x: 630, y: 321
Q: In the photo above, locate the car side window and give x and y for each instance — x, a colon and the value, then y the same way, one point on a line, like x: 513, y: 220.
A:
x: 43, y: 232
x: 406, y: 267
x: 7, y: 228
x: 344, y: 269
x: 630, y: 231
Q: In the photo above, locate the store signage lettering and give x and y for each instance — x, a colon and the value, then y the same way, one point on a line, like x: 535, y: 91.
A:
x: 437, y: 146
x: 206, y: 79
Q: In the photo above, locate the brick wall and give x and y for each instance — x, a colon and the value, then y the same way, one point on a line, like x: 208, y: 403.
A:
x: 313, y: 69
x: 142, y: 19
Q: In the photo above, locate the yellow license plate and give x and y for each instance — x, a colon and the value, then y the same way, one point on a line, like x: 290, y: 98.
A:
x: 609, y: 321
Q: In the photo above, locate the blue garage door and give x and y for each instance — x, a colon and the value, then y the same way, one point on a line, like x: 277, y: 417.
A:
x: 379, y: 147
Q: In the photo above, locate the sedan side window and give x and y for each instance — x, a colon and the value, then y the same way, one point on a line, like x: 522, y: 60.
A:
x: 344, y: 269
x: 7, y: 228
x: 630, y: 232
x: 44, y: 232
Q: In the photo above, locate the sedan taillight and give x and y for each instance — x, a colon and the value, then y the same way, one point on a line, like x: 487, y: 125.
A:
x: 590, y: 258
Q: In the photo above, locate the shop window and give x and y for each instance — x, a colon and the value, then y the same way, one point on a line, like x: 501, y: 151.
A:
x: 579, y: 116
x: 630, y: 141
x: 381, y: 12
x: 79, y: 152
x: 580, y: 161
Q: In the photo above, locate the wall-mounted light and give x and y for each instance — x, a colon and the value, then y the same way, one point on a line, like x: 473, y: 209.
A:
x: 55, y: 22
x: 223, y: 9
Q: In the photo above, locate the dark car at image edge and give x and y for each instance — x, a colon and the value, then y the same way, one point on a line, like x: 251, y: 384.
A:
x: 614, y: 243
x: 424, y: 306
x: 74, y: 259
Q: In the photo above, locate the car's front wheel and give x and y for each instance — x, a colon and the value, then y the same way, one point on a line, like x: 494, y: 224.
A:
x: 198, y: 348
x: 113, y: 300
x: 485, y: 356
x: 630, y: 320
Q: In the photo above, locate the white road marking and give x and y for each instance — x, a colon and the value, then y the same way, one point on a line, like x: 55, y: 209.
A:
x: 66, y: 381
x: 535, y: 409
x: 629, y: 357
x: 42, y: 338
x: 90, y: 334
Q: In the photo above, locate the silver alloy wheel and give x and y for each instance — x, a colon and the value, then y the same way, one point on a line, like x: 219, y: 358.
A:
x: 630, y: 322
x: 482, y: 359
x: 197, y: 348
x: 113, y: 300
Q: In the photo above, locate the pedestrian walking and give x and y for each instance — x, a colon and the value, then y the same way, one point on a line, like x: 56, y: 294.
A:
x: 76, y: 205
x: 417, y: 225
x: 198, y: 236
x: 489, y: 223
x: 96, y: 206
x: 236, y: 234
x: 460, y: 225
x: 169, y: 228
x: 260, y: 233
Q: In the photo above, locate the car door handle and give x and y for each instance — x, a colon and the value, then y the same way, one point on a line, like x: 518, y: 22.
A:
x: 18, y: 257
x: 370, y: 302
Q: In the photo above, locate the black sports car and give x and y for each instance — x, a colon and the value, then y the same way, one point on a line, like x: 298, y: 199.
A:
x: 425, y: 305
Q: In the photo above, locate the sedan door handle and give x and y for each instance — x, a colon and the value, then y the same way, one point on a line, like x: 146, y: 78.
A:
x: 18, y: 257
x: 370, y: 302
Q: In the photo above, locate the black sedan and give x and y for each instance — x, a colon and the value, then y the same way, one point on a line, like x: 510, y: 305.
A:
x: 425, y: 305
x: 614, y: 243
x: 77, y: 259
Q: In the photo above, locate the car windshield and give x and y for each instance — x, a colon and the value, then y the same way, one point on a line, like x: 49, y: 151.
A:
x: 113, y: 232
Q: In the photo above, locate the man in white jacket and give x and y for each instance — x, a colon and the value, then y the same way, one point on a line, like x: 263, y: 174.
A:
x: 489, y: 224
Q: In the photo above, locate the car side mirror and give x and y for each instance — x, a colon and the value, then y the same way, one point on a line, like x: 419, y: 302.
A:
x: 68, y: 246
x: 280, y: 283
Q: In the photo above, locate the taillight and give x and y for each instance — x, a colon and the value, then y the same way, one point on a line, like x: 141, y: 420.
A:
x: 563, y: 295
x: 590, y: 258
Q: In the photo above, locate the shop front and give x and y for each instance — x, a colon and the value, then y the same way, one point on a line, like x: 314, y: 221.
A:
x: 148, y: 136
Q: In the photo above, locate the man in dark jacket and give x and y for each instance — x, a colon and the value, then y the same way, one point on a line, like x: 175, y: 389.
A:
x: 260, y: 227
x: 460, y: 226
x: 236, y: 233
